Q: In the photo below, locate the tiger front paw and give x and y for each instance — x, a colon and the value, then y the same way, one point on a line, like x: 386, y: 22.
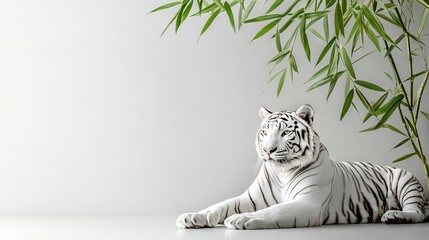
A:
x: 197, y: 220
x: 245, y: 221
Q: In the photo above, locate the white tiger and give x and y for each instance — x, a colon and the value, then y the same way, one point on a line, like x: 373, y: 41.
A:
x: 300, y: 186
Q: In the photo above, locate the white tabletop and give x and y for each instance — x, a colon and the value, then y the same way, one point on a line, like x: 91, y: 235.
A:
x: 163, y: 227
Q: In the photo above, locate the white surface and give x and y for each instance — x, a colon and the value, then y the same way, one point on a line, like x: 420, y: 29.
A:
x: 99, y: 115
x: 139, y: 228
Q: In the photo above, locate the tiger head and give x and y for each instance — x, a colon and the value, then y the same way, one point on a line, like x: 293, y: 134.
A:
x: 287, y: 137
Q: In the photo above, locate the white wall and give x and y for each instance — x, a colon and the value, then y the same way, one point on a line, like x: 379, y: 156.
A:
x: 99, y: 115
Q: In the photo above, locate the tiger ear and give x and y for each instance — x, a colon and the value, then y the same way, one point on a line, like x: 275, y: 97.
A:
x: 306, y: 112
x: 263, y: 112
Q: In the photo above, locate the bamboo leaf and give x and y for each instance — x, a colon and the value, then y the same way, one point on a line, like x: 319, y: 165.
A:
x: 397, y: 41
x: 320, y: 83
x: 230, y: 15
x: 275, y: 5
x: 280, y: 55
x: 248, y: 10
x: 326, y: 27
x: 338, y: 21
x: 364, y: 100
x: 372, y: 37
x: 317, y: 34
x: 348, y: 64
x: 410, y: 125
x: 369, y: 85
x: 325, y: 80
x: 281, y: 82
x: 210, y: 21
x: 376, y: 106
x: 425, y: 114
x: 165, y: 6
x: 422, y: 21
x: 401, y: 143
x: 264, y: 18
x: 304, y: 39
x: 325, y: 50
x: 388, y: 126
x: 347, y: 103
x: 275, y: 75
x: 355, y: 28
x: 292, y: 62
x: 278, y: 41
x: 169, y: 24
x: 265, y: 29
x: 291, y: 19
x: 392, y: 105
x: 404, y: 157
x: 318, y: 73
x: 424, y: 3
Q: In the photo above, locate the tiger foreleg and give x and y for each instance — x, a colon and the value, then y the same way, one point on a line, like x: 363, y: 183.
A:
x: 284, y: 215
x: 217, y: 213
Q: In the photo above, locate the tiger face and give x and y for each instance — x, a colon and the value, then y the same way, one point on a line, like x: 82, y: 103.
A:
x: 287, y: 137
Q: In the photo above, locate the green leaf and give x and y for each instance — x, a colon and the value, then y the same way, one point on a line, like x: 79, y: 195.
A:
x: 372, y: 37
x: 293, y: 63
x: 318, y: 73
x: 411, y: 126
x: 315, y: 14
x: 397, y: 41
x: 332, y: 85
x: 187, y: 11
x: 348, y: 64
x: 275, y: 5
x: 355, y: 28
x: 325, y: 80
x: 317, y: 34
x: 364, y: 100
x: 169, y: 24
x: 388, y: 126
x: 347, y: 103
x: 165, y: 6
x: 424, y: 3
x: 248, y: 10
x: 264, y: 18
x: 404, y: 157
x: 369, y: 85
x: 326, y: 27
x: 304, y: 39
x: 281, y: 82
x: 265, y: 29
x: 388, y: 19
x: 278, y: 41
x: 392, y: 105
x: 230, y: 15
x: 425, y: 114
x: 422, y: 22
x: 275, y: 75
x: 280, y: 56
x: 376, y: 106
x: 325, y: 50
x: 320, y: 83
x: 291, y: 19
x: 401, y: 143
x: 338, y: 21
x: 210, y: 21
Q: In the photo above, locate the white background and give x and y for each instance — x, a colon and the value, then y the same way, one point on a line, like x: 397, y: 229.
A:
x: 100, y: 115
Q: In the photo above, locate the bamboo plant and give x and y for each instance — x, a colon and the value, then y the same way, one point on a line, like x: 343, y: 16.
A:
x: 393, y: 29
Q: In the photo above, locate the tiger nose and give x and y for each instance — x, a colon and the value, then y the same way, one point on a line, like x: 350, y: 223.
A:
x: 269, y: 150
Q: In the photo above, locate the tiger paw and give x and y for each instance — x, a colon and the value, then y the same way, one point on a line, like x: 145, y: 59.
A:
x: 197, y: 220
x: 245, y: 221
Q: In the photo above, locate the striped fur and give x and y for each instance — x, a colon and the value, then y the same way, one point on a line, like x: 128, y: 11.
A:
x: 300, y: 186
